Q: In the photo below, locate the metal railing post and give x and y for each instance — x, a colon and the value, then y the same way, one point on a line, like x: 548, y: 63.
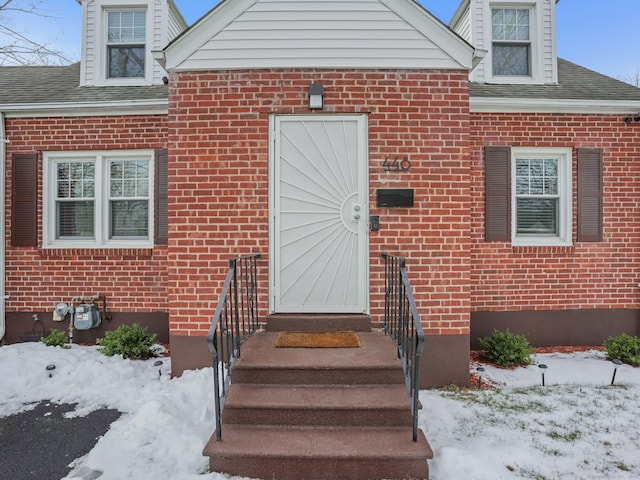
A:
x: 225, y: 334
x: 402, y: 323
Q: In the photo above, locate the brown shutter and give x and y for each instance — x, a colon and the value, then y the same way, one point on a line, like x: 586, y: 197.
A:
x: 589, y: 195
x: 497, y: 209
x: 161, y: 220
x: 24, y: 200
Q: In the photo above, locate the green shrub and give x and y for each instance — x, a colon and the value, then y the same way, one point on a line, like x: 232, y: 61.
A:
x: 506, y: 349
x: 56, y: 338
x: 625, y: 348
x: 129, y: 341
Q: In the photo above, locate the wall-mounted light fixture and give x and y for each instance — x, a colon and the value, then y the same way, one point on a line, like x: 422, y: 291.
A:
x: 633, y: 118
x: 316, y: 93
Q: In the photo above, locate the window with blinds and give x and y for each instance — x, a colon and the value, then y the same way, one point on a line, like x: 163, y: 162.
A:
x: 541, y: 196
x: 99, y: 199
x: 537, y: 197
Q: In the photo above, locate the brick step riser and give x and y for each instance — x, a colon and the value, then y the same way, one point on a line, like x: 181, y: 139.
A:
x: 318, y: 323
x: 325, y: 417
x: 300, y: 376
x: 288, y: 468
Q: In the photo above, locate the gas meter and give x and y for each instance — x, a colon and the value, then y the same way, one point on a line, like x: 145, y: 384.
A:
x: 86, y: 316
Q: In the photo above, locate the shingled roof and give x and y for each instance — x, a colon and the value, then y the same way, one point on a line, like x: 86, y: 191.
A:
x: 32, y: 86
x: 574, y: 83
x: 60, y: 85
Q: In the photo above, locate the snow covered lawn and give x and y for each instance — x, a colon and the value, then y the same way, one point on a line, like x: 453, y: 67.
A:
x: 577, y: 426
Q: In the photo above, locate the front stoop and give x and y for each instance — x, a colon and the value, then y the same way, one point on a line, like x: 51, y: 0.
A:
x: 323, y: 413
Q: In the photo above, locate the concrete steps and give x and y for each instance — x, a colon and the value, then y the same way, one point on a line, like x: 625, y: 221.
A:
x: 318, y: 413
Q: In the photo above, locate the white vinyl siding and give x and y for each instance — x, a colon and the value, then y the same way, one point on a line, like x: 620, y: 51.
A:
x: 544, y: 68
x: 175, y: 23
x: 463, y: 28
x: 323, y: 34
x: 89, y: 54
x: 163, y: 24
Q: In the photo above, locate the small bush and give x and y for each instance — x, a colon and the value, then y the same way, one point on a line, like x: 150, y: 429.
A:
x: 56, y: 338
x: 506, y: 349
x: 129, y: 341
x: 625, y: 348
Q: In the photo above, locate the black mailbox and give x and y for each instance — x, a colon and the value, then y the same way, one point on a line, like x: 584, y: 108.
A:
x: 395, y: 197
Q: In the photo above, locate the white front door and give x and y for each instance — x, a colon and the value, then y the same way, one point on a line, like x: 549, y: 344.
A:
x: 319, y: 218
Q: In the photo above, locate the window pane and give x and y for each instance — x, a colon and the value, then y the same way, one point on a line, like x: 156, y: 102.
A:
x: 75, y: 219
x: 139, y: 27
x: 538, y: 216
x: 129, y: 218
x: 510, y: 24
x: 126, y: 62
x: 510, y: 59
x: 126, y: 27
x: 75, y: 180
x: 129, y: 178
x: 536, y: 177
x: 497, y: 16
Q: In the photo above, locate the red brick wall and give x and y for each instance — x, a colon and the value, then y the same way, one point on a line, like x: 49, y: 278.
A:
x: 218, y: 173
x: 37, y: 279
x: 586, y: 275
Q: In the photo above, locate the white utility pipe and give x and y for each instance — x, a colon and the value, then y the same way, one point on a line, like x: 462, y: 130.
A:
x: 3, y: 157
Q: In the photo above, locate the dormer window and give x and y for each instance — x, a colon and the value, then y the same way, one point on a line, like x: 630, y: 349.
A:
x: 511, y: 41
x: 126, y: 49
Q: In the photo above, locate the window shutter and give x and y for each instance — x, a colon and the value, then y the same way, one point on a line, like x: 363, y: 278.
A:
x: 24, y: 200
x: 161, y: 220
x: 589, y: 195
x: 497, y: 180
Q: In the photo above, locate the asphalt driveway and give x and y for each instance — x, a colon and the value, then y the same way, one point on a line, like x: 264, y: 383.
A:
x: 42, y: 442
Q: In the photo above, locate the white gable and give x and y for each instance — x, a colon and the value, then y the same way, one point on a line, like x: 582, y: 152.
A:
x: 240, y: 34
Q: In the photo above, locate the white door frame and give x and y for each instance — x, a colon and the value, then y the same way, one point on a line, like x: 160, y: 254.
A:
x: 363, y: 192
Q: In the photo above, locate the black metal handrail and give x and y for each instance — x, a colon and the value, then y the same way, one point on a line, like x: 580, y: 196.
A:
x: 234, y: 321
x: 402, y: 323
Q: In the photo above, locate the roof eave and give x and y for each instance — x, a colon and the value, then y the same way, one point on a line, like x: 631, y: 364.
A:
x: 548, y: 105
x: 86, y: 109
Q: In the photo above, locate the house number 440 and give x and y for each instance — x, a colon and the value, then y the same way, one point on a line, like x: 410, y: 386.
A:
x: 396, y: 165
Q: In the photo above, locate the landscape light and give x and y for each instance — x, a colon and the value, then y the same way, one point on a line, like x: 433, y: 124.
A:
x: 617, y: 363
x: 158, y: 363
x: 480, y: 370
x: 542, y: 368
x: 50, y: 368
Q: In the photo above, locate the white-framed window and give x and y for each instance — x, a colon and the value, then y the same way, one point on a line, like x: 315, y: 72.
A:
x: 511, y: 41
x: 513, y: 36
x: 126, y: 32
x: 541, y: 196
x: 98, y: 199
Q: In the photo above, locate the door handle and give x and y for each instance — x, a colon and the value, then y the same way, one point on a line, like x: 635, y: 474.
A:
x: 356, y: 212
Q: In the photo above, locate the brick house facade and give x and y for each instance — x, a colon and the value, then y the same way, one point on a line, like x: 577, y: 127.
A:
x: 424, y: 94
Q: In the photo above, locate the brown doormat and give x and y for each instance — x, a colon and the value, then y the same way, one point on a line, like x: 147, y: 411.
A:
x: 317, y: 340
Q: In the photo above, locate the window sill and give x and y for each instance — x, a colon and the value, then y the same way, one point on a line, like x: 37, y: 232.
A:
x: 536, y: 242
x: 515, y: 80
x: 87, y: 253
x: 542, y: 249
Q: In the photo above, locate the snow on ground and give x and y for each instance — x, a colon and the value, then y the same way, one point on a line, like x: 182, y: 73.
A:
x: 577, y: 426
